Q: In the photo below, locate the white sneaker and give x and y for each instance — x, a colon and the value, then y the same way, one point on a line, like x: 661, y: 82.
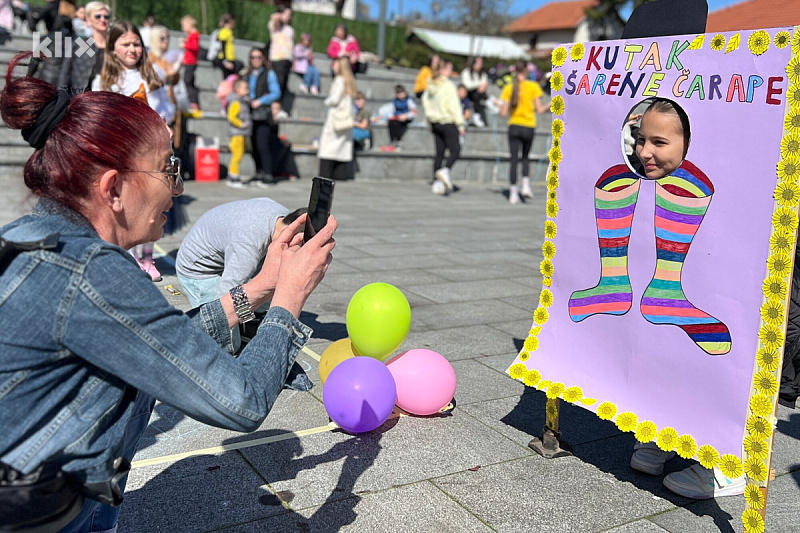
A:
x: 526, y: 191
x: 478, y: 121
x: 282, y: 115
x: 303, y: 89
x: 235, y: 182
x: 701, y: 483
x: 649, y: 458
x: 438, y: 188
x: 513, y: 195
x: 314, y: 90
x: 443, y: 175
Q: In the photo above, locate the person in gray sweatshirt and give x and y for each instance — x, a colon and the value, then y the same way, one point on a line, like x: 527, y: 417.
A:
x: 227, y: 246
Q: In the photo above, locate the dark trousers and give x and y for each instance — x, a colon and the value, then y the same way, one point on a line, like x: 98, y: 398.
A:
x: 446, y: 137
x: 477, y: 100
x: 188, y: 78
x: 282, y: 70
x: 262, y: 155
x: 519, y: 137
x: 335, y: 170
x: 397, y: 128
x: 220, y: 64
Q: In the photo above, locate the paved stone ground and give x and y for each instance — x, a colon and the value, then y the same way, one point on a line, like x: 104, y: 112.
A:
x: 468, y: 264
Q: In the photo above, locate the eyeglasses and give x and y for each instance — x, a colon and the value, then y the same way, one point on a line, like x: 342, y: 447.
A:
x: 173, y: 174
x: 98, y: 16
x: 256, y: 57
x: 165, y: 37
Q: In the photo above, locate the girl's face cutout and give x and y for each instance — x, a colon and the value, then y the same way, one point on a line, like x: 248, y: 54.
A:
x: 660, y: 144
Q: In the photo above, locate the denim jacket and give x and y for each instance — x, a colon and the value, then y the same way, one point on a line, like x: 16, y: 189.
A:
x: 82, y: 328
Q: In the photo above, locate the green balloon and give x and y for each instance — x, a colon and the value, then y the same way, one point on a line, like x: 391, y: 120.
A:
x: 378, y: 318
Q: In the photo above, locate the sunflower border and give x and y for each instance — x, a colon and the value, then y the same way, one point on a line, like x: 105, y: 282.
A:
x: 756, y: 454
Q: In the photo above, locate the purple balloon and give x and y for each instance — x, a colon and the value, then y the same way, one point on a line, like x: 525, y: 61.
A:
x: 359, y: 394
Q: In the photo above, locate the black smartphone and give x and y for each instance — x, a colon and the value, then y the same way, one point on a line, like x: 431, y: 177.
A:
x: 319, y: 206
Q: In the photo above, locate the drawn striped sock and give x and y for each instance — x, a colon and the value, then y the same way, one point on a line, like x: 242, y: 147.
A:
x: 682, y: 200
x: 615, y: 198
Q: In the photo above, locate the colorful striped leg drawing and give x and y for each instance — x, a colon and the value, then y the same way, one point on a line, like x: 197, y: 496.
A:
x: 682, y: 200
x: 615, y: 198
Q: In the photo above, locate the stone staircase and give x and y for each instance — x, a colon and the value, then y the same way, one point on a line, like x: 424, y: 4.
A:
x: 484, y: 154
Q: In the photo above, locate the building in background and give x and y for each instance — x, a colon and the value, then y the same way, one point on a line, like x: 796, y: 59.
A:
x: 543, y: 29
x: 352, y: 9
x: 754, y: 15
x: 462, y: 44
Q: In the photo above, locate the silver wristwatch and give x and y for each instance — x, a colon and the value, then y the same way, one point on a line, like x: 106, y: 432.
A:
x: 242, y: 305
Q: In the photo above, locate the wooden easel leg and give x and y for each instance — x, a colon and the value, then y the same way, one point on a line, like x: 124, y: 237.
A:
x: 550, y: 444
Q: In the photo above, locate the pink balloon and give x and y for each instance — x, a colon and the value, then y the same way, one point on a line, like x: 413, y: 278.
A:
x: 425, y: 381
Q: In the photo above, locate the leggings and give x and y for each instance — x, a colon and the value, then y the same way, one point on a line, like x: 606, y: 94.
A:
x: 335, y: 170
x: 191, y: 88
x: 519, y: 137
x: 237, y: 152
x: 261, y: 152
x: 446, y: 137
x: 397, y: 128
x: 282, y: 70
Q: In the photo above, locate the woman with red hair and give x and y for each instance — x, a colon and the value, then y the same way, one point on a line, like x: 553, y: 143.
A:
x: 88, y: 343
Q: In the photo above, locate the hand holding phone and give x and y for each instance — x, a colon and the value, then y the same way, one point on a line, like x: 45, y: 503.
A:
x: 319, y: 206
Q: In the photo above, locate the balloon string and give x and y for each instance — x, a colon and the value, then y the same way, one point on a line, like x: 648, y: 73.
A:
x: 311, y: 352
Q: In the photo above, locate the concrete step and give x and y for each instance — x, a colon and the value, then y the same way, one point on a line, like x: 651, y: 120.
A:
x: 417, y: 139
x: 404, y: 166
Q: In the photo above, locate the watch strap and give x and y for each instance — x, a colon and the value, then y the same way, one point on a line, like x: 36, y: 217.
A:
x: 241, y: 304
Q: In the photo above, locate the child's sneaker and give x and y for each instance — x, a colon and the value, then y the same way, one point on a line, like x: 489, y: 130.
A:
x: 366, y: 144
x: 314, y: 90
x: 649, y: 458
x: 701, y: 483
x: 526, y: 191
x: 235, y: 182
x: 513, y: 195
x: 265, y: 181
x: 443, y: 175
x: 303, y: 88
x: 398, y: 146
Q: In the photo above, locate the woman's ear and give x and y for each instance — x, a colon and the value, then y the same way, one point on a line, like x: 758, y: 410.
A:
x: 110, y: 190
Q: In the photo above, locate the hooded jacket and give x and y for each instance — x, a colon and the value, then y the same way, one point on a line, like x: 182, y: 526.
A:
x: 441, y: 103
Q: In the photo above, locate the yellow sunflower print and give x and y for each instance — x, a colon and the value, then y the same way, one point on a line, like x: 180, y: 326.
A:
x: 782, y: 39
x: 770, y: 336
x: 793, y: 68
x: 779, y: 264
x: 549, y: 249
x: 572, y: 394
x: 555, y: 390
x: 758, y: 43
x: 765, y: 382
x: 718, y: 42
x: 753, y: 496
x: 730, y: 465
x: 758, y: 426
x: 793, y: 96
x: 755, y: 469
x: 557, y: 128
x: 707, y: 456
x: 774, y: 288
x: 576, y: 53
x: 756, y: 447
x: 790, y: 146
x: 546, y: 298
x: 627, y: 421
x: 767, y: 359
x: 761, y: 405
x: 541, y: 315
x: 667, y: 439
x: 531, y: 378
x: 772, y: 312
x: 685, y: 446
x: 550, y: 229
x: 753, y: 521
x: 551, y: 208
x: 781, y: 242
x: 606, y: 410
x: 531, y: 344
x: 517, y: 371
x: 785, y: 218
x: 789, y: 170
x: 646, y: 431
x: 557, y: 105
x: 792, y: 121
x: 558, y: 56
x: 557, y: 81
x: 787, y: 193
x: 546, y: 268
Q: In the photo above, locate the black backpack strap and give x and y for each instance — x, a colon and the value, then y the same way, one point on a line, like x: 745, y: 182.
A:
x: 10, y: 249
